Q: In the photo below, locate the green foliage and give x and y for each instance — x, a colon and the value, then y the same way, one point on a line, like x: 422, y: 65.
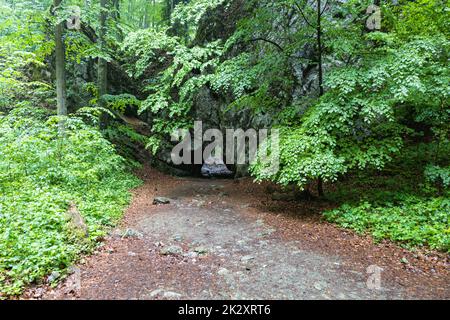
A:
x: 438, y: 175
x: 422, y: 18
x: 192, y: 11
x: 121, y: 102
x: 79, y: 48
x: 187, y: 74
x: 136, y: 14
x: 398, y: 203
x: 356, y: 123
x: 127, y: 141
x: 188, y: 14
x: 144, y: 48
x: 153, y: 145
x: 185, y: 71
x: 415, y: 222
x: 41, y: 173
x: 23, y: 49
x: 250, y: 83
x: 384, y: 92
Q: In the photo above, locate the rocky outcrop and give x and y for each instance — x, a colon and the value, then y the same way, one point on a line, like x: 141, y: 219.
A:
x: 296, y: 80
x: 220, y: 22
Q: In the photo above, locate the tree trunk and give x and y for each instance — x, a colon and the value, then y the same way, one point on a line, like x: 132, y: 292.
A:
x: 61, y: 105
x: 320, y: 187
x: 115, y: 14
x: 102, y: 67
x: 153, y: 15
x: 319, y: 46
x: 145, y: 17
x: 320, y: 65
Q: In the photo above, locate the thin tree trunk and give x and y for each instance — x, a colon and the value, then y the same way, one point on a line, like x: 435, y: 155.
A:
x: 61, y: 105
x: 116, y: 16
x: 319, y: 46
x: 102, y: 67
x: 321, y: 91
x: 153, y: 14
x: 145, y: 18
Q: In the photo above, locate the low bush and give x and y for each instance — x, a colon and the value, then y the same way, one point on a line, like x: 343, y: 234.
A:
x: 43, y: 171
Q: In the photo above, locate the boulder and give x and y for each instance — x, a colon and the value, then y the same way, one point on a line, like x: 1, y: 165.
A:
x: 161, y: 200
x: 215, y: 167
x: 76, y: 222
x: 171, y: 251
x: 201, y: 250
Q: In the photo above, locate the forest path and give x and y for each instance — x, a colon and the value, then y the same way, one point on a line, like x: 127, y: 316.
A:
x: 214, y: 241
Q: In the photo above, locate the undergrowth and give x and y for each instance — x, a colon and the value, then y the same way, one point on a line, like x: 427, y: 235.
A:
x: 41, y: 173
x: 407, y: 203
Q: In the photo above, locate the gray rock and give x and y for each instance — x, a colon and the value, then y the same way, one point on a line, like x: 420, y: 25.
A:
x: 266, y: 232
x: 215, y: 167
x: 131, y: 233
x: 201, y: 250
x: 191, y: 255
x: 73, y: 269
x: 172, y: 250
x: 156, y: 292
x: 53, y: 277
x: 165, y: 294
x: 172, y: 295
x: 161, y: 200
x: 223, y: 272
x: 320, y: 285
x: 341, y: 296
x: 198, y: 203
x: 159, y: 244
x: 76, y: 221
x: 178, y: 237
x: 39, y: 292
x: 247, y: 258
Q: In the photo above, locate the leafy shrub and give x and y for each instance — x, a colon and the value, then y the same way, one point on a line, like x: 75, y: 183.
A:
x: 41, y: 173
x: 355, y: 124
x: 438, y: 175
x: 397, y: 203
x: 415, y: 222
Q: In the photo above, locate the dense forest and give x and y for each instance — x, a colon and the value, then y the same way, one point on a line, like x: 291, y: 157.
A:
x: 90, y: 90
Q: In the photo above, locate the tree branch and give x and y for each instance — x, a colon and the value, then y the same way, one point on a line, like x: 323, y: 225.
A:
x: 268, y: 41
x: 324, y: 7
x: 89, y: 32
x: 303, y: 15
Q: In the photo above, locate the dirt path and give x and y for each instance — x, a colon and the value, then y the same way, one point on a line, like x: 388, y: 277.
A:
x: 219, y: 239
